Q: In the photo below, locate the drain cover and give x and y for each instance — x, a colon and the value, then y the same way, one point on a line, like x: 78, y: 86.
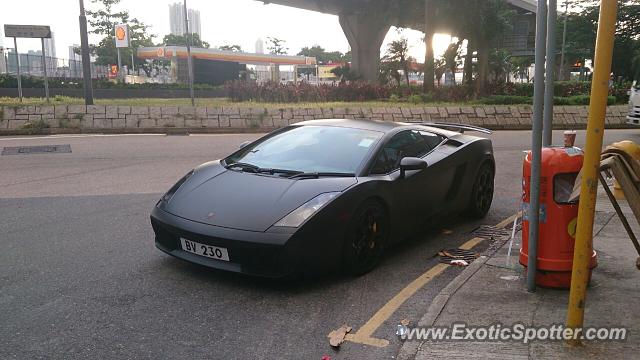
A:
x: 40, y: 149
x: 447, y: 256
x: 491, y: 233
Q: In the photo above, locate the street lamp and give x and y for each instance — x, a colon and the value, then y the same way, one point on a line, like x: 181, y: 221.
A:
x: 564, y: 40
x: 86, y: 60
x: 189, y: 60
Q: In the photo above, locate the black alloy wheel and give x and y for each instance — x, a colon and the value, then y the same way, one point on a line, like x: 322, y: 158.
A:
x: 482, y: 194
x: 366, y: 238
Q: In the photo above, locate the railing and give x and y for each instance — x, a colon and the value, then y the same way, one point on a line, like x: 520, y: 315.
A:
x: 31, y: 65
x: 519, y: 43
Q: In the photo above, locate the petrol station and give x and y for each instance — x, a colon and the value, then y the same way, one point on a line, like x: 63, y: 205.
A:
x: 215, y: 67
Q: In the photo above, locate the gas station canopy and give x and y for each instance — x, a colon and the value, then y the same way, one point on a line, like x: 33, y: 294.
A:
x: 169, y: 52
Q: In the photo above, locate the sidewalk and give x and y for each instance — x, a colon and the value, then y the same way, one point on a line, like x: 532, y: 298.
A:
x: 493, y: 290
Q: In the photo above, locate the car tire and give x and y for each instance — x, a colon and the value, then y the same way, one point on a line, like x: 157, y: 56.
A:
x: 482, y: 193
x: 366, y: 238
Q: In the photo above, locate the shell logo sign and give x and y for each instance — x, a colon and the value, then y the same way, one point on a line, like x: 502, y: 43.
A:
x: 122, y: 35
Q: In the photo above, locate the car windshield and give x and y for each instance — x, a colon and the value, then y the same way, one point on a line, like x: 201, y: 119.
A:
x: 310, y: 149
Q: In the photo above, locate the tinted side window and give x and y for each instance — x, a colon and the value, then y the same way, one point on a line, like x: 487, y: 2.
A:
x: 431, y: 140
x: 405, y: 144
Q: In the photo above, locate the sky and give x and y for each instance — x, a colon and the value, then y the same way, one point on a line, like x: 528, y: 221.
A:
x: 224, y: 22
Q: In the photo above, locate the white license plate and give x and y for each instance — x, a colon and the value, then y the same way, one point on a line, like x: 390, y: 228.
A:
x: 212, y: 252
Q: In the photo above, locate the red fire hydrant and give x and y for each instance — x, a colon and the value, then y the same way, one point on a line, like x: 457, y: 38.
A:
x: 558, y: 216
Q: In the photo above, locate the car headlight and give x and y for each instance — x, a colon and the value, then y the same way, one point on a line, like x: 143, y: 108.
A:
x: 301, y: 214
x: 166, y: 197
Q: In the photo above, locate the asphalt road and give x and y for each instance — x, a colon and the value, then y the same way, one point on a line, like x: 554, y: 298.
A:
x: 80, y: 276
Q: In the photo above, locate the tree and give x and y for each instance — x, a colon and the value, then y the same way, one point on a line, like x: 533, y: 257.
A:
x: 451, y: 58
x: 181, y: 40
x: 520, y: 67
x: 322, y: 56
x: 397, y: 56
x: 582, y: 24
x: 485, y: 21
x: 440, y: 67
x: 234, y: 48
x: 499, y: 64
x: 344, y: 73
x: 103, y: 22
x: 277, y: 46
x: 636, y: 66
x: 494, y: 18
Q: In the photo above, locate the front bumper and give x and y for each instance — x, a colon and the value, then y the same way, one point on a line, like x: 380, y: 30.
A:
x: 265, y: 254
x: 634, y: 116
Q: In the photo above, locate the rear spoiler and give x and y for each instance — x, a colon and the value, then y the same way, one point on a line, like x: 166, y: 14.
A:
x: 459, y: 127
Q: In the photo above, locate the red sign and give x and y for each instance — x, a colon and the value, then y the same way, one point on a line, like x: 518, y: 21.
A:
x: 113, y: 71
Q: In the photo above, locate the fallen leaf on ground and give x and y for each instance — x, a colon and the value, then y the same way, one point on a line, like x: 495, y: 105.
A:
x: 336, y: 337
x: 404, y: 322
x: 459, y: 263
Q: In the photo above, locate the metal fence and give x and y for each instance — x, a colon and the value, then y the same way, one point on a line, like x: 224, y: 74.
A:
x: 31, y: 65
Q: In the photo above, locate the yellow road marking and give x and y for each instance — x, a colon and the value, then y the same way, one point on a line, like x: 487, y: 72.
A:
x: 364, y: 335
x: 508, y: 221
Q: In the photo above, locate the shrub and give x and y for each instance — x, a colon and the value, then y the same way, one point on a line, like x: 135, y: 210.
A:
x: 415, y: 99
x: 506, y: 100
x: 304, y: 92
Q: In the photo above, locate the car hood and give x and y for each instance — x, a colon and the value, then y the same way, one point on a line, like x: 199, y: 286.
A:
x: 246, y: 201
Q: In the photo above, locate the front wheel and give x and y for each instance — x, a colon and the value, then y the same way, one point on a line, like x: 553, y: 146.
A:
x: 482, y: 193
x: 366, y: 238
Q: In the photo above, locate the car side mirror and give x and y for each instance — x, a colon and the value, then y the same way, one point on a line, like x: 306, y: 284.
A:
x: 412, y: 163
x: 245, y: 143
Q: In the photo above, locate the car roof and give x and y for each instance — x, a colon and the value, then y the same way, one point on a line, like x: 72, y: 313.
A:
x: 373, y: 125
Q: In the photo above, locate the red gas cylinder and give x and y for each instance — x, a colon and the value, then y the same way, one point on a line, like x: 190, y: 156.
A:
x: 558, y: 216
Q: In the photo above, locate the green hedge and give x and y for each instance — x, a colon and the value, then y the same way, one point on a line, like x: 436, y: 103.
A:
x: 558, y: 100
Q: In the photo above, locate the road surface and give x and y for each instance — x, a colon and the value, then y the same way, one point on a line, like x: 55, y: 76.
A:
x: 80, y: 276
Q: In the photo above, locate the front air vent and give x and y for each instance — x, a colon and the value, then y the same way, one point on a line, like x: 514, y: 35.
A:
x: 452, y: 142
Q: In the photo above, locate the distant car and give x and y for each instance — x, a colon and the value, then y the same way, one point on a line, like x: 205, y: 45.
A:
x: 323, y: 194
x: 634, y: 104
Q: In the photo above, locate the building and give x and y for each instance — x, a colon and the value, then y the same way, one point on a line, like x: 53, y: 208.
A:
x: 3, y: 61
x: 72, y: 53
x: 259, y: 46
x: 176, y: 20
x: 50, y: 46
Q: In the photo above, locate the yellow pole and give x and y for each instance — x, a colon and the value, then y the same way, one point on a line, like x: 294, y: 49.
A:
x: 589, y: 185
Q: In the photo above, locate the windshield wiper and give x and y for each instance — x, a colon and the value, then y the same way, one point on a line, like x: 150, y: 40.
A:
x: 256, y: 169
x: 315, y: 175
x: 278, y: 171
x: 244, y: 166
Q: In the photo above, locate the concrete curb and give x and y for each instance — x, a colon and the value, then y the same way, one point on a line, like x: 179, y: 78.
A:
x: 167, y: 131
x: 410, y: 349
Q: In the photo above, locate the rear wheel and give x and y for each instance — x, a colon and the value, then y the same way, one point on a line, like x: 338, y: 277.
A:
x: 482, y: 193
x: 366, y: 238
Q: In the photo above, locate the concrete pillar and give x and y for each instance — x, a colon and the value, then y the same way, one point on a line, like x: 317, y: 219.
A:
x: 3, y: 64
x: 365, y: 33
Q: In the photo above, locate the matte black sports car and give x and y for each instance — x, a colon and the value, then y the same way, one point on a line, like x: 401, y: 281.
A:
x: 323, y: 194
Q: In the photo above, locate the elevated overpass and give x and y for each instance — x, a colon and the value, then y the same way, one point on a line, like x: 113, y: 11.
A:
x: 366, y: 22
